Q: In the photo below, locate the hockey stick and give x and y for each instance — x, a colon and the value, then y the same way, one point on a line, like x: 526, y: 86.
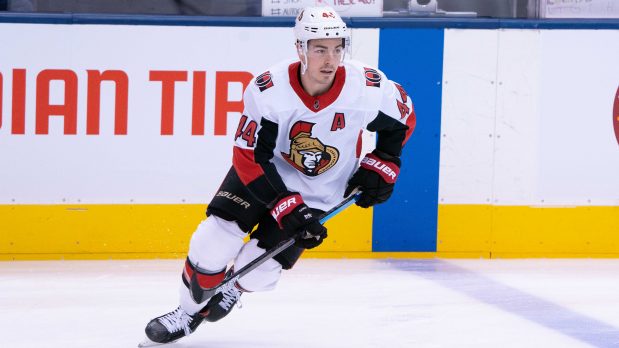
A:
x: 200, y: 294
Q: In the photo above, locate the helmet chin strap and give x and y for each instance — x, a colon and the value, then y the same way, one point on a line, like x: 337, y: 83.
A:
x: 303, y: 52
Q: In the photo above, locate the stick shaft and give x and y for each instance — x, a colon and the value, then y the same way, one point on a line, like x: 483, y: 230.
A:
x: 200, y: 294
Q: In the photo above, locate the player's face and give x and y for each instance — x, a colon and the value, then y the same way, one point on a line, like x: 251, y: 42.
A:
x: 323, y: 58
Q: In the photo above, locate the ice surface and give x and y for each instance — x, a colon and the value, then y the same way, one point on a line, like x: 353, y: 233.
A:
x: 324, y: 303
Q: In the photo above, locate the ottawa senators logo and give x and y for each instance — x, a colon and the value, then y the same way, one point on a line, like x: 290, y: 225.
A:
x: 372, y: 77
x: 309, y: 155
x: 264, y: 81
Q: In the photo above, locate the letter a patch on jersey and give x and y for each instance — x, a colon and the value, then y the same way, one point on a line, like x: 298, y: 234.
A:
x: 339, y: 122
x: 308, y: 154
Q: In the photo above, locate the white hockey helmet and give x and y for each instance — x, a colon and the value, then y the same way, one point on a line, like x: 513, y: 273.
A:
x: 320, y: 23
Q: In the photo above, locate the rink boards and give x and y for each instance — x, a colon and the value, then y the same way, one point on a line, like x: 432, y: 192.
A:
x: 114, y: 137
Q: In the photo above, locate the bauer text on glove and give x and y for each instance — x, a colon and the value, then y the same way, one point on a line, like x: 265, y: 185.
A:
x: 297, y: 220
x: 375, y: 178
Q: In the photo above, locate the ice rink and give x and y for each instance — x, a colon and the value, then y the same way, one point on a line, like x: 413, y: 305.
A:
x: 324, y: 303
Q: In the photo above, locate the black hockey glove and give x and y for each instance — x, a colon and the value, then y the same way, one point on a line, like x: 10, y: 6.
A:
x: 297, y: 220
x: 375, y: 178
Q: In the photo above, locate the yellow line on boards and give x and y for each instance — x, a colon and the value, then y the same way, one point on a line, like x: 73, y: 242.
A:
x: 529, y: 231
x: 93, y: 231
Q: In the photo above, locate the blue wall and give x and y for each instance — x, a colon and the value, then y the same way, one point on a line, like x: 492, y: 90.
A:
x: 413, y: 58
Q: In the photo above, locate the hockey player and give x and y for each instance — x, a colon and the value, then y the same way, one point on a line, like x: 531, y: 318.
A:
x: 295, y: 155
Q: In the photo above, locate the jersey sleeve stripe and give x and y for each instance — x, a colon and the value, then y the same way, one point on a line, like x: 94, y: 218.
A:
x: 411, y: 122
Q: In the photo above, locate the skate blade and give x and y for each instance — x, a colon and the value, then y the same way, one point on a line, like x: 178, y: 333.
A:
x: 148, y: 343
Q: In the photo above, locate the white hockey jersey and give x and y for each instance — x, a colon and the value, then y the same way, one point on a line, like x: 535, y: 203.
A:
x: 288, y: 140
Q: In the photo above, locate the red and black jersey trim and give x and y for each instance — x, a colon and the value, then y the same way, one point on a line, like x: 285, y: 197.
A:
x: 316, y: 103
x: 411, y: 123
x: 245, y: 165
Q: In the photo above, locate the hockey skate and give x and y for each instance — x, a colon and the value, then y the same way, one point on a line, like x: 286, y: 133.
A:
x: 222, y: 303
x: 177, y: 324
x: 171, y: 327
